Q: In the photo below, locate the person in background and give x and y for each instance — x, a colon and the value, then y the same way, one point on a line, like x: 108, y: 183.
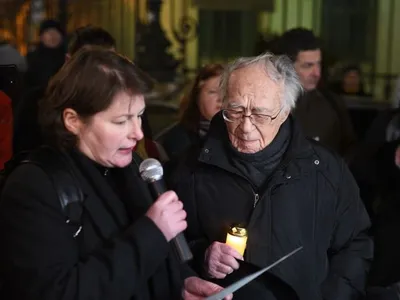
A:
x: 350, y: 82
x: 322, y: 115
x: 10, y: 56
x: 197, y: 108
x: 48, y: 57
x: 91, y: 119
x: 256, y: 168
x: 27, y: 135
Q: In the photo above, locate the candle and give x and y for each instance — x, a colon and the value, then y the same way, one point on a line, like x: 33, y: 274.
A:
x: 237, y: 238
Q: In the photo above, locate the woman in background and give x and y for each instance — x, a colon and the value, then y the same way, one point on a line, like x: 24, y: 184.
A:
x: 197, y: 108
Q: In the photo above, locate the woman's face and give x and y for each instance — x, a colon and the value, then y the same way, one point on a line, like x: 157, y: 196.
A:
x: 209, y: 101
x: 110, y: 136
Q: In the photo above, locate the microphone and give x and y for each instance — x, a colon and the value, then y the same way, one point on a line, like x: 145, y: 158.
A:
x: 152, y: 173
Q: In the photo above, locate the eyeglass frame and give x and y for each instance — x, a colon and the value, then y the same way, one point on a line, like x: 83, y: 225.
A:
x: 241, y: 119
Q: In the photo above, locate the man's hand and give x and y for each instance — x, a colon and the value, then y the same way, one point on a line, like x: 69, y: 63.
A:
x: 197, y: 289
x: 220, y: 260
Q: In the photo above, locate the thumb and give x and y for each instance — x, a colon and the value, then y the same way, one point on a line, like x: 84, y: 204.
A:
x: 208, y: 288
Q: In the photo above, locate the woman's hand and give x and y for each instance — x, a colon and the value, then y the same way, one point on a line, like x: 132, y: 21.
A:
x: 196, y: 288
x: 168, y: 215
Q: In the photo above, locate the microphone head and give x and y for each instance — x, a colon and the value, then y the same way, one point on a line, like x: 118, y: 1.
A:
x: 151, y: 170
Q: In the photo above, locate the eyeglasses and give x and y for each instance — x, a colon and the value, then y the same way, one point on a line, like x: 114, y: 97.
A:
x: 232, y: 115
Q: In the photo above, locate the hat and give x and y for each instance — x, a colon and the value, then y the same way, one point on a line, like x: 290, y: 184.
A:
x: 48, y: 24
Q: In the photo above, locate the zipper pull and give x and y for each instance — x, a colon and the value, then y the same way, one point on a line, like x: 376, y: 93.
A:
x: 256, y: 198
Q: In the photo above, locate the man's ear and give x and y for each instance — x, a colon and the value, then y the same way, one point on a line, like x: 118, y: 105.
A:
x: 72, y: 121
x: 284, y: 115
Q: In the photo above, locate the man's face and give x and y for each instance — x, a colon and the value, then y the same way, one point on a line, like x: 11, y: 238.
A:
x: 51, y: 38
x: 308, y: 67
x: 252, y: 96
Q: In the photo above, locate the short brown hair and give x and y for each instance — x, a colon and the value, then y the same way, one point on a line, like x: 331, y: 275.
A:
x: 87, y: 84
x: 189, y: 110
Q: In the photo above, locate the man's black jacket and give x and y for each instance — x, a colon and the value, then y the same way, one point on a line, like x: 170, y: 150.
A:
x: 311, y: 200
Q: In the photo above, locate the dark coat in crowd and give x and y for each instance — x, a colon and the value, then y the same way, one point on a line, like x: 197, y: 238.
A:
x: 323, y: 116
x: 374, y: 166
x: 385, y: 269
x: 310, y: 200
x: 177, y: 140
x: 43, y: 63
x: 119, y: 254
x: 27, y: 132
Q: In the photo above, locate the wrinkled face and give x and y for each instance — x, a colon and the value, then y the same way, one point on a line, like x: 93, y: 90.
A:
x: 51, y: 38
x: 209, y: 101
x: 251, y: 91
x: 110, y: 136
x: 308, y: 67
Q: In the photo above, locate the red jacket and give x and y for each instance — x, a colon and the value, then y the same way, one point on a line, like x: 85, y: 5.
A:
x: 6, y: 129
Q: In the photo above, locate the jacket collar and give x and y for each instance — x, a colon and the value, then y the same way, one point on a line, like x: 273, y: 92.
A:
x: 214, y: 150
x: 101, y: 203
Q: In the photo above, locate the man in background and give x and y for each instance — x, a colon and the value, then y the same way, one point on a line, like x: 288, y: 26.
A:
x: 322, y: 115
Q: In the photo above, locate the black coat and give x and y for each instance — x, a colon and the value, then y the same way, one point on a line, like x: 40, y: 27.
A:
x: 119, y: 254
x: 177, y: 139
x: 311, y: 200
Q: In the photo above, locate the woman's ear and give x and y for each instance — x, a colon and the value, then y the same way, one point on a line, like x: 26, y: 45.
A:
x: 72, y: 121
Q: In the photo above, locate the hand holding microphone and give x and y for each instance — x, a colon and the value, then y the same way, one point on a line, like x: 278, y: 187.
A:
x: 167, y: 211
x: 168, y: 214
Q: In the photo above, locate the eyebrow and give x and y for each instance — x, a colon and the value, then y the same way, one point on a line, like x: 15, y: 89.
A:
x: 131, y: 115
x: 254, y: 109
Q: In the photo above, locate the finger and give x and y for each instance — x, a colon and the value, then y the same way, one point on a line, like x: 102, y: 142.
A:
x: 229, y: 297
x: 182, y: 226
x: 168, y: 197
x: 216, y: 274
x: 175, y: 206
x: 229, y: 261
x: 224, y: 269
x: 207, y: 288
x: 180, y: 215
x: 228, y: 250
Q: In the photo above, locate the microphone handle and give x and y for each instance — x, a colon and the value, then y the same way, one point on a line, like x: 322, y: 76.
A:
x: 181, y: 246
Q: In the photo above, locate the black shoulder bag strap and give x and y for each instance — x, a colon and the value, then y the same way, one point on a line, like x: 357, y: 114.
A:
x: 55, y: 165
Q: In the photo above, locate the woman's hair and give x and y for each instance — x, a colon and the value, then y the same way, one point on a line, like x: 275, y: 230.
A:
x: 189, y: 109
x: 87, y: 84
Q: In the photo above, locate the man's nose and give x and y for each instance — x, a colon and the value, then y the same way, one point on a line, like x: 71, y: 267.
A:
x: 316, y: 71
x: 247, y: 125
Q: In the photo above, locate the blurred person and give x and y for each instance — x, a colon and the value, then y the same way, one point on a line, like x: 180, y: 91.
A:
x: 256, y: 168
x: 350, y: 82
x: 197, y: 108
x: 27, y: 134
x: 323, y: 116
x: 91, y: 119
x: 10, y: 56
x: 48, y: 57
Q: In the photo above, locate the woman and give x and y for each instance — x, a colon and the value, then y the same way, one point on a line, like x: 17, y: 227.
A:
x: 197, y: 109
x: 91, y: 116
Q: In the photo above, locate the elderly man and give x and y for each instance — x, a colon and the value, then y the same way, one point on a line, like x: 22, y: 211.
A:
x: 256, y: 168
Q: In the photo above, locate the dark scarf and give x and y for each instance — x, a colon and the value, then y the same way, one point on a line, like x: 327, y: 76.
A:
x: 257, y: 167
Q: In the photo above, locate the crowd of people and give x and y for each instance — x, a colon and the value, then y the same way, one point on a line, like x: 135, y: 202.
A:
x: 259, y: 142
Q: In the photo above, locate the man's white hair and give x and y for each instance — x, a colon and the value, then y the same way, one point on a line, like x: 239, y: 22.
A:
x: 278, y: 67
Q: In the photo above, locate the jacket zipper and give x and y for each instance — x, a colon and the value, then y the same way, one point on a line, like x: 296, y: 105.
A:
x: 256, y: 198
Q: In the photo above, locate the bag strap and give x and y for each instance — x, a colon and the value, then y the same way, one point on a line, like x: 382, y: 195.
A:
x: 55, y: 165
